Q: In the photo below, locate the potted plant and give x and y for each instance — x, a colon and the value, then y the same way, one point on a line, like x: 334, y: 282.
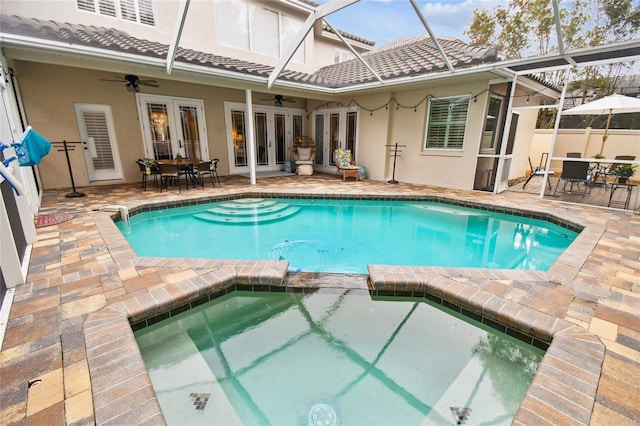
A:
x: 624, y: 172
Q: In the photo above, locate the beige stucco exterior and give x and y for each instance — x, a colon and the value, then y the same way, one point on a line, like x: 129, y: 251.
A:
x: 587, y: 142
x: 199, y: 32
x: 51, y: 84
x: 50, y: 92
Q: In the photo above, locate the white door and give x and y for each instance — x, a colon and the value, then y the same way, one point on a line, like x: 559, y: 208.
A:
x: 95, y: 124
x: 333, y: 129
x: 172, y: 127
x: 275, y: 128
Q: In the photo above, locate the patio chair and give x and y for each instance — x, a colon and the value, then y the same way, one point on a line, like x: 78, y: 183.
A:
x: 147, y: 168
x: 168, y: 172
x: 203, y: 169
x: 539, y: 171
x: 214, y: 169
x: 608, y: 172
x: 345, y: 165
x: 303, y: 154
x: 304, y: 158
x: 574, y: 173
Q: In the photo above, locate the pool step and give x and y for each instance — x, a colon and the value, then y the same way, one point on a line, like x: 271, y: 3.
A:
x: 248, y: 203
x: 248, y: 210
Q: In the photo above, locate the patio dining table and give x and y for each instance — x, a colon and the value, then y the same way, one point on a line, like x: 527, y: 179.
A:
x: 186, y: 165
x: 597, y: 166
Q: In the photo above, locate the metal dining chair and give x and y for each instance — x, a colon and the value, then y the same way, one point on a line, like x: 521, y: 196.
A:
x: 574, y: 173
x: 202, y: 169
x: 168, y: 172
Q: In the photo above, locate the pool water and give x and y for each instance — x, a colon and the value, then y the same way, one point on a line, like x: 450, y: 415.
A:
x: 344, y: 236
x: 327, y: 359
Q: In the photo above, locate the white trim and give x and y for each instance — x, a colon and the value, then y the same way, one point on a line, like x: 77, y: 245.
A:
x: 116, y: 172
x: 177, y: 34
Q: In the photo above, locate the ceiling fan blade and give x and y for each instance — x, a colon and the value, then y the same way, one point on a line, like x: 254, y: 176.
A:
x: 142, y: 83
x: 118, y: 81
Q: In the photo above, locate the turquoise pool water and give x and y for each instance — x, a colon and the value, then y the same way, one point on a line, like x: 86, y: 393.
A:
x: 345, y: 236
x: 333, y: 359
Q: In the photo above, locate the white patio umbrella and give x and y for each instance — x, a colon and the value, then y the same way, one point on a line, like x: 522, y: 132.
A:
x: 612, y: 104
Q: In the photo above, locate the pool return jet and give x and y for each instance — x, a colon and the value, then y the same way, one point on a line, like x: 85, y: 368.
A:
x: 29, y: 151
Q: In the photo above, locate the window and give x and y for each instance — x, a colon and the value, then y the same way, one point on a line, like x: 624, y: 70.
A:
x: 140, y: 11
x: 491, y: 125
x: 340, y: 55
x: 250, y: 27
x: 447, y: 122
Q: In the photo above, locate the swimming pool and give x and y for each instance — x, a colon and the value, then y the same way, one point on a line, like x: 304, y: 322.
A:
x: 345, y: 236
x: 341, y: 358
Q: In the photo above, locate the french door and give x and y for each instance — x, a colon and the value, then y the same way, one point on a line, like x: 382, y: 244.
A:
x: 97, y: 131
x: 275, y: 128
x: 333, y: 129
x: 173, y: 126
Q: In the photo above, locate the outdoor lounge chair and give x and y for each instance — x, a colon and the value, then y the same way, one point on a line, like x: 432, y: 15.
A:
x: 539, y: 171
x: 345, y: 165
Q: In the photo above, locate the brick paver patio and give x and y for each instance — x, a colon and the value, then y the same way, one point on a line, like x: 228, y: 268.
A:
x: 68, y: 334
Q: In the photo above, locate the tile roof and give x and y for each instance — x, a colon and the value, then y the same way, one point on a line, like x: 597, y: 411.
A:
x: 408, y: 57
x: 349, y: 36
x: 403, y: 58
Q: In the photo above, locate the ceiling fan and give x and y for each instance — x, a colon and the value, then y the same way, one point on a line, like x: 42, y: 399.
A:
x: 278, y: 100
x: 133, y: 82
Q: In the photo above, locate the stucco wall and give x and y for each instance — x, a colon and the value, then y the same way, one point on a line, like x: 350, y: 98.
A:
x: 588, y: 142
x: 406, y: 126
x: 49, y: 93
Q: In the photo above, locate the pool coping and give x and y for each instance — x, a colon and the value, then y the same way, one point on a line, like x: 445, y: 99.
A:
x: 562, y: 392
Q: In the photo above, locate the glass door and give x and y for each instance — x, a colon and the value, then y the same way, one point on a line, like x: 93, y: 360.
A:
x: 172, y: 127
x: 333, y: 129
x: 275, y: 128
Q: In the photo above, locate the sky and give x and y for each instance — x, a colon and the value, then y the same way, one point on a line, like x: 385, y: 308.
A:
x: 385, y: 20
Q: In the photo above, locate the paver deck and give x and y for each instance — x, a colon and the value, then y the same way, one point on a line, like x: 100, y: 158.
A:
x: 85, y: 285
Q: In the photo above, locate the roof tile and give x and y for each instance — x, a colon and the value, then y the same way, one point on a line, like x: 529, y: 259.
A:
x: 401, y: 58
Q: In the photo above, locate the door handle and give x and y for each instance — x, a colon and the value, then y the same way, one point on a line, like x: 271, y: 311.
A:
x: 180, y: 143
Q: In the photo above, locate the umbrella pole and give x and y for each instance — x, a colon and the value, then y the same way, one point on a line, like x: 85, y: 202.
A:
x: 606, y: 131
